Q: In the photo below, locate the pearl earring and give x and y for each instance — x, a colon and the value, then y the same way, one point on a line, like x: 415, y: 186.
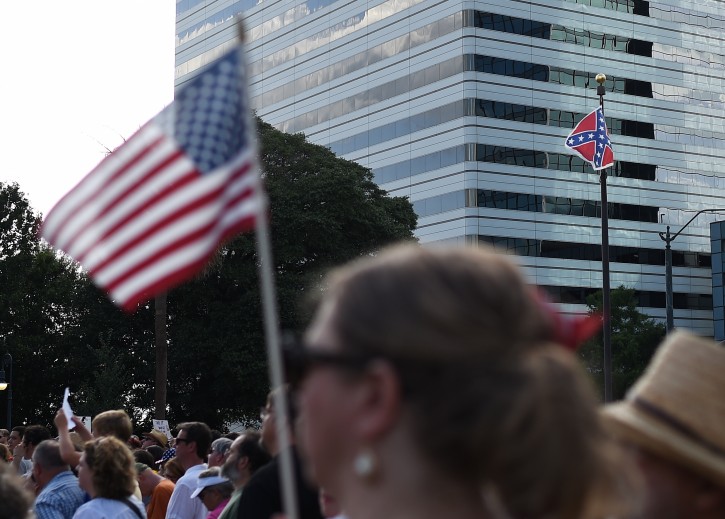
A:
x: 365, y: 464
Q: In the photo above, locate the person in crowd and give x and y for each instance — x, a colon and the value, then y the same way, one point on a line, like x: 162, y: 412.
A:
x: 59, y: 494
x: 144, y: 456
x: 673, y: 422
x: 107, y: 473
x: 171, y: 469
x: 4, y: 435
x: 192, y: 445
x: 429, y: 385
x: 15, y: 500
x: 166, y: 456
x: 5, y: 453
x: 14, y: 440
x: 134, y: 442
x: 156, y: 488
x: 214, y: 490
x: 262, y: 495
x: 108, y: 423
x: 155, y: 437
x: 77, y: 441
x: 23, y: 453
x: 157, y: 453
x: 246, y: 456
x: 219, y: 452
x: 114, y: 423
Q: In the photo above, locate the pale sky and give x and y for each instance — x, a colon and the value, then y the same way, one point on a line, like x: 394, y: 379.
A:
x: 78, y: 76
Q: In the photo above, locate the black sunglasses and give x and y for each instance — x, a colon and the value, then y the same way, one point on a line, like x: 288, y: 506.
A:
x: 299, y: 359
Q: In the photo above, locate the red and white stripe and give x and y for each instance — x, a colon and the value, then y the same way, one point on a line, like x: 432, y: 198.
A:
x: 145, y: 219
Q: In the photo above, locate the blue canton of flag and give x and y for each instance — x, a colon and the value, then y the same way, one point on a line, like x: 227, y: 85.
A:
x: 209, y: 114
x: 590, y: 139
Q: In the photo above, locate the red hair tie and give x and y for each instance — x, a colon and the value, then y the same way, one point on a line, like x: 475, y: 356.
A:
x: 570, y: 331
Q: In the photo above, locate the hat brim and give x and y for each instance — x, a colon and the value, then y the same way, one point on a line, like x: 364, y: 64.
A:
x: 161, y: 438
x: 628, y: 423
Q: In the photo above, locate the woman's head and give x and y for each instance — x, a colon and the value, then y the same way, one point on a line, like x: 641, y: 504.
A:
x: 172, y: 469
x: 107, y: 469
x: 454, y: 347
x: 212, y: 488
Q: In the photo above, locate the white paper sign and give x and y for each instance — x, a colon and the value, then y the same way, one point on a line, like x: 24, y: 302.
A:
x: 87, y: 422
x: 67, y: 411
x: 163, y: 426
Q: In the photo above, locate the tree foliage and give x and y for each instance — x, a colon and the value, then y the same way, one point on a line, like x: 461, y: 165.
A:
x: 324, y: 212
x: 634, y: 339
x: 62, y: 331
x: 53, y: 322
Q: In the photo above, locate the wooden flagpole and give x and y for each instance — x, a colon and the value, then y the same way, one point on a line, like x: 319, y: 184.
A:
x: 274, y: 357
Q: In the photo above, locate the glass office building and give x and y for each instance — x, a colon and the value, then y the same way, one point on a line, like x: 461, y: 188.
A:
x: 463, y: 107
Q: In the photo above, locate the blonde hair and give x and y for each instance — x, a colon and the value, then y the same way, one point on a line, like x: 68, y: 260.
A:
x: 113, y: 466
x: 493, y: 402
x: 113, y: 423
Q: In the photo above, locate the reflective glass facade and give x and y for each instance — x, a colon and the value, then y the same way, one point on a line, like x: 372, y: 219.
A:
x: 463, y: 107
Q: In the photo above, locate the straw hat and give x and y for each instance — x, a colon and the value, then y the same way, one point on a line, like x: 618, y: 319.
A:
x: 157, y: 436
x: 677, y: 408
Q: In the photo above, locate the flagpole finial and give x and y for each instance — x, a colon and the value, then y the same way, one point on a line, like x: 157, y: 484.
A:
x: 601, y: 90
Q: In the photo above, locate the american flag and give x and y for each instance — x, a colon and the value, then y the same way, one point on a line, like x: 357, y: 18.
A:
x: 590, y: 140
x: 153, y: 212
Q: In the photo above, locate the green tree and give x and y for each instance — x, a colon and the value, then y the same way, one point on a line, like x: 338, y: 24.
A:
x: 324, y: 212
x: 634, y: 339
x: 63, y: 331
x: 59, y: 328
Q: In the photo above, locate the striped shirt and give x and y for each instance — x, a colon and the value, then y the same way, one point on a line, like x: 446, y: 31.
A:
x: 60, y: 498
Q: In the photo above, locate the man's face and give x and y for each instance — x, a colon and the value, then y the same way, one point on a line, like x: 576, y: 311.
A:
x: 216, y: 459
x: 29, y: 448
x: 230, y: 469
x: 145, y: 484
x: 14, y: 440
x: 185, y: 449
x: 148, y: 442
x: 4, y: 437
x: 37, y: 477
x: 85, y: 476
x: 269, y: 429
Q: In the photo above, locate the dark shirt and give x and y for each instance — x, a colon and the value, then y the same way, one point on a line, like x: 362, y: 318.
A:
x: 262, y: 495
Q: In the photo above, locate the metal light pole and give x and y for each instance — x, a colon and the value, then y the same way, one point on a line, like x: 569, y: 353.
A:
x: 7, y: 362
x: 668, y: 239
x: 606, y: 301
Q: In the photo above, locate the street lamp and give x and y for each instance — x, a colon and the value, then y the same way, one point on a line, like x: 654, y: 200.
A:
x: 7, y: 362
x: 668, y: 239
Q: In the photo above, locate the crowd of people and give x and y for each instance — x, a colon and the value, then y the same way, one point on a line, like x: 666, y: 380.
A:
x: 432, y: 383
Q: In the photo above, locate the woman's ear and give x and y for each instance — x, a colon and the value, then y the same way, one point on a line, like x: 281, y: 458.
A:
x: 377, y: 401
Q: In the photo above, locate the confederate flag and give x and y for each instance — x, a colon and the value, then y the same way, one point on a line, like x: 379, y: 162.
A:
x: 590, y: 140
